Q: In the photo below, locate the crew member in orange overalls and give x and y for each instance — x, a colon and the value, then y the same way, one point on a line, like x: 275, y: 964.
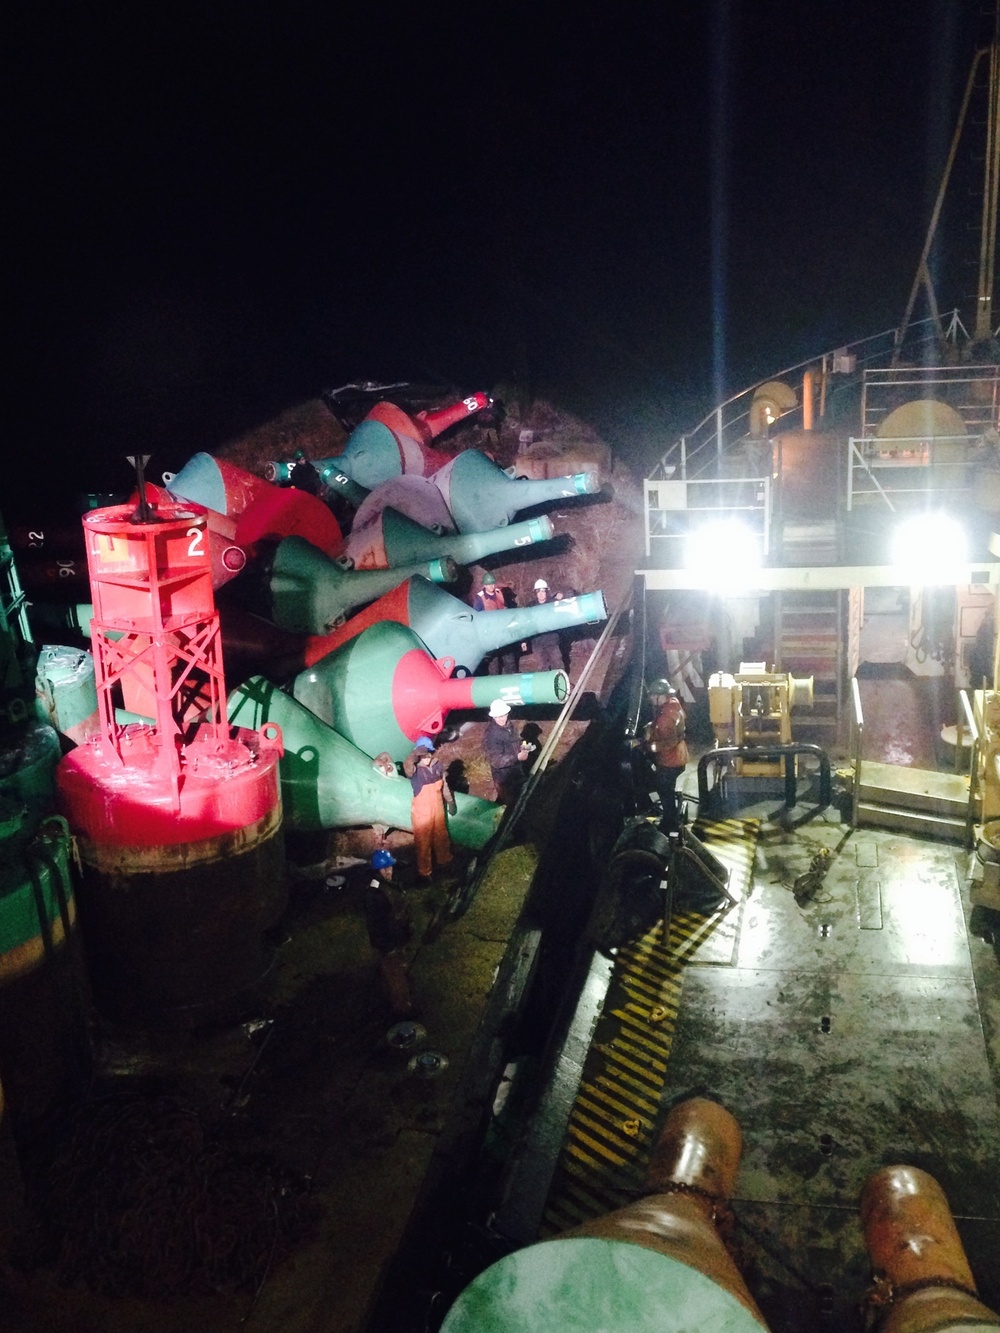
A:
x: 666, y: 747
x: 431, y: 794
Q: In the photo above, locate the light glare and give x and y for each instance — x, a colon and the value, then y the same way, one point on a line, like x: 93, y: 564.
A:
x: 725, y: 553
x: 929, y: 547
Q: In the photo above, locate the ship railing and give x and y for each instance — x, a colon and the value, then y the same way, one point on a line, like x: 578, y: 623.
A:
x: 973, y: 391
x: 857, y: 747
x: 967, y: 724
x: 924, y: 466
x: 704, y: 448
x: 674, y: 509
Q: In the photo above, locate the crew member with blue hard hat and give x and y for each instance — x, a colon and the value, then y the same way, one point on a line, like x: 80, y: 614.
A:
x: 390, y: 926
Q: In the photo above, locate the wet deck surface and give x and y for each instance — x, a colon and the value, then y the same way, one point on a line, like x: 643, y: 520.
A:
x: 849, y: 1030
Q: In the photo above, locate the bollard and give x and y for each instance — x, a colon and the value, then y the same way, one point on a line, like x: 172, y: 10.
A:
x: 922, y: 1277
x: 655, y: 1266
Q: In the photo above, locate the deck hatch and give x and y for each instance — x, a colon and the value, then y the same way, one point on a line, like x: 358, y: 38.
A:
x: 869, y: 896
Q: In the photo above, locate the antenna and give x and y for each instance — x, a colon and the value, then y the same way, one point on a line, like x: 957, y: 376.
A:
x: 144, y: 511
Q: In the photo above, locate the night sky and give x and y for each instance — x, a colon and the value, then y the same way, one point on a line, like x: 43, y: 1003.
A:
x: 222, y: 210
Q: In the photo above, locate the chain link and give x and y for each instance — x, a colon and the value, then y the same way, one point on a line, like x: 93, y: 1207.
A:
x: 722, y: 1214
x: 882, y: 1295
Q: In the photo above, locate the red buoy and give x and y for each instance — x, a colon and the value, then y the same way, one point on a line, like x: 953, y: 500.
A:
x: 178, y: 820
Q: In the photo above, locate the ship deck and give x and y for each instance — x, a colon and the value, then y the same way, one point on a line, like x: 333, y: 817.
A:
x: 847, y: 1029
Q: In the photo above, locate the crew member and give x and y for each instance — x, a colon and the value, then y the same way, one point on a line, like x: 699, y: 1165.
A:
x: 389, y: 925
x: 546, y: 646
x: 491, y: 597
x: 431, y: 794
x: 665, y: 744
x: 505, y: 753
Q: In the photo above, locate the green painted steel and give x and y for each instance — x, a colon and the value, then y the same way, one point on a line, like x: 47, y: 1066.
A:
x: 587, y: 1285
x: 450, y: 629
x: 32, y: 780
x: 351, y: 689
x: 17, y: 651
x: 326, y: 782
x: 201, y: 481
x: 331, y: 475
x: 481, y: 495
x: 67, y: 692
x: 34, y: 876
x: 370, y: 686
x: 329, y: 471
x: 371, y: 455
x: 406, y: 542
x: 312, y: 594
x: 523, y: 687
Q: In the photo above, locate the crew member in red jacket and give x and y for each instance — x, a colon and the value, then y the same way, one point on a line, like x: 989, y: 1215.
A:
x: 665, y: 744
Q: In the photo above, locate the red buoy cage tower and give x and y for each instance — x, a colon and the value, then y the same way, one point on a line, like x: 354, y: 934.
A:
x: 177, y: 815
x: 155, y: 628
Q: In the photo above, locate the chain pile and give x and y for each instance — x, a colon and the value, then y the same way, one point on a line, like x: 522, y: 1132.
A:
x: 148, y: 1206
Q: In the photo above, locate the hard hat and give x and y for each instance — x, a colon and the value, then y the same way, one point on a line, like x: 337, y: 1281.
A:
x: 540, y: 583
x: 383, y: 858
x: 424, y: 743
x: 661, y: 686
x: 498, y: 708
x: 488, y: 578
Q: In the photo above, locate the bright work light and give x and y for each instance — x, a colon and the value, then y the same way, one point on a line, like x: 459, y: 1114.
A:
x: 724, y: 552
x: 929, y: 547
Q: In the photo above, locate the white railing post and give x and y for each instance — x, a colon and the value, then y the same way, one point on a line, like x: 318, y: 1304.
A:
x: 718, y: 432
x: 850, y: 474
x: 859, y: 729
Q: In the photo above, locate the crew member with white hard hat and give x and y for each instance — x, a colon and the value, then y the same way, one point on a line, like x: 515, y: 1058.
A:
x: 546, y: 646
x: 504, y: 752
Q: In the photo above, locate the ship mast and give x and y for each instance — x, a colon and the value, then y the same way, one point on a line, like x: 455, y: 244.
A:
x: 991, y: 188
x: 987, y: 242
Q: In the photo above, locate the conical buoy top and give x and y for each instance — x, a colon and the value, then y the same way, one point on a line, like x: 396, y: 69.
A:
x: 311, y: 593
x: 481, y: 495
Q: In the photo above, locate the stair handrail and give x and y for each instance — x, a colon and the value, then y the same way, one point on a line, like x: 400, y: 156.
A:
x: 970, y: 723
x: 856, y: 747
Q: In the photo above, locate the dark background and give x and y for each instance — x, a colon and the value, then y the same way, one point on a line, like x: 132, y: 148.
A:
x: 218, y: 211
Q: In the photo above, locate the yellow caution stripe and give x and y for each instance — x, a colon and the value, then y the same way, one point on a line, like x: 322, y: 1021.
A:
x: 614, y: 1119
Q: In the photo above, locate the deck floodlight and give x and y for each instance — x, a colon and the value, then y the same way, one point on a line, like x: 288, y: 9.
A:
x: 724, y: 552
x: 929, y: 548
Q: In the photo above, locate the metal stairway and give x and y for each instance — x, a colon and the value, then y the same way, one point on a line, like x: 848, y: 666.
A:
x: 808, y: 641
